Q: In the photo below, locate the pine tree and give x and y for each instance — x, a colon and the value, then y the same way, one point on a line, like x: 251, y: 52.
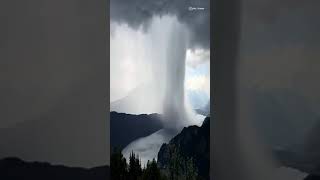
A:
x: 175, y: 167
x: 134, y: 167
x: 151, y: 172
x: 118, y: 166
x: 120, y: 170
x: 190, y: 169
x: 180, y: 166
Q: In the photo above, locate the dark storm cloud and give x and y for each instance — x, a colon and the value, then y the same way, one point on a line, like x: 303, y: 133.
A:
x: 268, y: 24
x: 280, y: 45
x: 280, y: 42
x: 54, y: 81
x: 139, y: 12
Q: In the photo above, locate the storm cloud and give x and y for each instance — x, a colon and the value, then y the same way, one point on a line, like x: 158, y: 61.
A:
x: 54, y: 82
x: 279, y: 55
x: 268, y: 25
x: 138, y: 13
x: 280, y: 45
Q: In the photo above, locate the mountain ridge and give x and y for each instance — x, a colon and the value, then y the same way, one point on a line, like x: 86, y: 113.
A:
x: 192, y: 142
x: 135, y: 126
x: 15, y: 168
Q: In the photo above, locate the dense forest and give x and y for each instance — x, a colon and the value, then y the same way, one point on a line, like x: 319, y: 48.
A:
x: 179, y: 168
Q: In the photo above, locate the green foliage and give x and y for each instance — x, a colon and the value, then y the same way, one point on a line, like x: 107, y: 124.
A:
x: 180, y: 167
x: 190, y: 169
x: 175, y: 167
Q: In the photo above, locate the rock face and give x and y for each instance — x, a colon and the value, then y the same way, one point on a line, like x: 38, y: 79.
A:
x: 16, y: 169
x: 125, y: 128
x: 192, y: 142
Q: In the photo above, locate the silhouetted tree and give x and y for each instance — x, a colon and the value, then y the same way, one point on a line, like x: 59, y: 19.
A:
x: 120, y: 170
x: 118, y: 166
x: 152, y: 171
x: 135, y: 170
x: 180, y: 166
x: 175, y: 169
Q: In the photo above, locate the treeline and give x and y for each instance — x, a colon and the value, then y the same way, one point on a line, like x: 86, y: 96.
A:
x: 121, y: 170
x: 179, y: 168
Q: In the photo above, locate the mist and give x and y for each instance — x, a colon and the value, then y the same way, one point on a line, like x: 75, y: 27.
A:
x: 156, y: 72
x: 175, y: 111
x: 156, y: 62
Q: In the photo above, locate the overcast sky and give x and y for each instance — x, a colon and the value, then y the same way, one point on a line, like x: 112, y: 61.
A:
x: 141, y: 27
x: 53, y: 82
x: 280, y: 46
x: 279, y: 66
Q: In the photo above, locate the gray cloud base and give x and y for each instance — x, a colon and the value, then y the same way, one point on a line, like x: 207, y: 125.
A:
x: 139, y: 12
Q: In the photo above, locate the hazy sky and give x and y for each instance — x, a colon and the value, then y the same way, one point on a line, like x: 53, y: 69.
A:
x: 279, y: 67
x: 135, y: 34
x: 131, y: 63
x: 53, y: 82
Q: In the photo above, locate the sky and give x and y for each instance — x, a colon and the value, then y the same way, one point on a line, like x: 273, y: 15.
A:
x: 277, y: 80
x: 156, y: 48
x: 132, y: 37
x: 279, y: 65
x: 52, y: 67
x: 53, y: 82
x: 130, y: 64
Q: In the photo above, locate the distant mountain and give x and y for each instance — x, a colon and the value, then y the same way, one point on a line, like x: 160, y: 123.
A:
x: 205, y: 110
x: 125, y: 128
x: 16, y: 169
x: 192, y: 141
x: 306, y: 157
x: 309, y: 154
x: 281, y: 116
x: 138, y: 101
x: 298, y: 160
x: 198, y: 99
x: 60, y: 139
x: 311, y: 145
x: 293, y: 159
